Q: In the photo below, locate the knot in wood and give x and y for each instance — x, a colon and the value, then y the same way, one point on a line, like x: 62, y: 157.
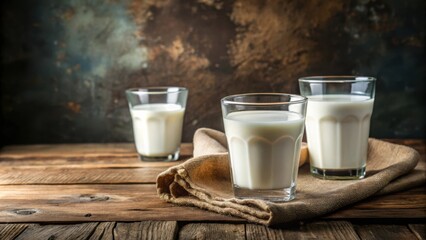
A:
x: 24, y: 211
x: 93, y: 198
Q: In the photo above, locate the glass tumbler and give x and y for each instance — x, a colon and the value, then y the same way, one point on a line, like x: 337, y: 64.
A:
x: 157, y: 116
x: 337, y: 124
x: 264, y: 133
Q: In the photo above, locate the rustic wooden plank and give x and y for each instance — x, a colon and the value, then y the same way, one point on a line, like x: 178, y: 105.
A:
x: 419, y: 230
x: 212, y: 231
x: 101, y: 162
x: 377, y: 213
x: 11, y: 231
x: 260, y: 232
x: 104, y: 231
x: 94, y: 202
x: 46, y: 175
x: 146, y: 230
x: 388, y: 232
x: 79, y: 151
x: 332, y: 230
x: 68, y: 150
x: 131, y: 202
x: 405, y: 199
x: 81, y: 231
x: 315, y: 230
x: 405, y: 204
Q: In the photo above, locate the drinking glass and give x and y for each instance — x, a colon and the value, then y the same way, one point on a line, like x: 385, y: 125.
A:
x: 157, y: 116
x: 338, y: 123
x: 264, y: 133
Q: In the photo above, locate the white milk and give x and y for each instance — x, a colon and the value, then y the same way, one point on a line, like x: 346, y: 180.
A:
x: 157, y: 128
x: 264, y: 148
x: 337, y: 128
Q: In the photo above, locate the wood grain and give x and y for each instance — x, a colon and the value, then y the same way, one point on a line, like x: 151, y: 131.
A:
x: 98, y: 182
x: 81, y: 231
x: 95, y: 202
x: 377, y: 214
x: 11, y: 231
x: 332, y: 230
x: 406, y: 199
x: 388, y: 232
x: 212, y: 231
x: 45, y: 175
x: 150, y: 230
x: 259, y: 232
x: 78, y: 151
x: 254, y: 232
x: 100, y: 162
x: 405, y: 204
x: 316, y: 230
x: 136, y: 202
x: 170, y: 230
x: 104, y: 231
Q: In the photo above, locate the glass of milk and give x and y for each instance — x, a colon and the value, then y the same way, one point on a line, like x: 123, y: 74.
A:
x: 157, y: 117
x: 264, y: 132
x: 338, y: 124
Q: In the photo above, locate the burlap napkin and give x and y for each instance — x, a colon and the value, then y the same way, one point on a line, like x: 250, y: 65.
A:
x: 204, y: 182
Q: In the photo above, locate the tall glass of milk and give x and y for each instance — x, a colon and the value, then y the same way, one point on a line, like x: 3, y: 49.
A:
x: 157, y: 116
x: 264, y: 133
x: 338, y: 124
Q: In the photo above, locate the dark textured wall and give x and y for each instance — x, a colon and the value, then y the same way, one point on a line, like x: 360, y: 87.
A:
x: 65, y: 64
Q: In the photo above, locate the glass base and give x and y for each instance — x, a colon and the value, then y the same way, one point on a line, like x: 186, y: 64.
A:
x: 168, y: 158
x: 338, y: 174
x: 273, y: 195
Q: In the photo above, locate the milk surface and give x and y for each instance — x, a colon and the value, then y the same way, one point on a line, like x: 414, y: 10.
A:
x: 337, y: 128
x: 157, y: 128
x: 264, y: 148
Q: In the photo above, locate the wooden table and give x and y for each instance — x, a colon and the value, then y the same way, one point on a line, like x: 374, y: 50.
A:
x: 102, y: 191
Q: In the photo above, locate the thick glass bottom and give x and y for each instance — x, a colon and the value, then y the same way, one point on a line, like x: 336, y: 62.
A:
x: 273, y: 195
x: 338, y: 174
x: 168, y: 158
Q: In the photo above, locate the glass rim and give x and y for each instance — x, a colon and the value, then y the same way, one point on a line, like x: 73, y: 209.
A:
x: 299, y: 99
x: 337, y: 79
x: 156, y: 90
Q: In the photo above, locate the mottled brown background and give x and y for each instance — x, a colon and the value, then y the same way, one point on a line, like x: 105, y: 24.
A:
x: 66, y: 64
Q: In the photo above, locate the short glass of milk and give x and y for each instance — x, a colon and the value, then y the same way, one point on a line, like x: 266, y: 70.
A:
x: 264, y: 133
x: 157, y: 117
x: 338, y: 124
